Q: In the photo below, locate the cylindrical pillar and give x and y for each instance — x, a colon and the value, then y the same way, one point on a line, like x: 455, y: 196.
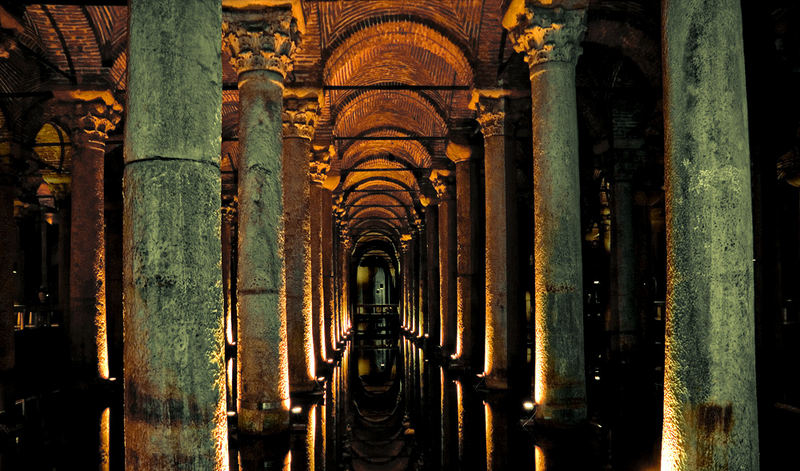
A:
x: 174, y: 333
x: 710, y: 416
x: 328, y: 265
x: 466, y: 288
x: 625, y: 328
x: 432, y: 255
x: 550, y: 39
x: 89, y: 116
x: 498, y: 169
x: 317, y: 289
x: 300, y: 114
x: 262, y: 383
x: 442, y: 181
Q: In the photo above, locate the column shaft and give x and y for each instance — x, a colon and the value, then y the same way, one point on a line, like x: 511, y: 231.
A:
x: 174, y: 333
x: 498, y: 173
x: 297, y: 253
x: 432, y: 255
x: 327, y: 271
x: 447, y: 272
x: 550, y: 38
x: 710, y: 416
x: 87, y: 317
x: 466, y: 231
x: 317, y: 288
x: 625, y: 328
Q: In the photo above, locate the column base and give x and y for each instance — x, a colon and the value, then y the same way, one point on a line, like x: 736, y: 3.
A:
x: 263, y: 422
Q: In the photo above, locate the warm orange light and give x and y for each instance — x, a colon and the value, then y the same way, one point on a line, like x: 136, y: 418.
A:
x: 538, y: 455
x: 487, y: 410
x: 105, y: 440
x: 460, y: 418
x: 101, y: 329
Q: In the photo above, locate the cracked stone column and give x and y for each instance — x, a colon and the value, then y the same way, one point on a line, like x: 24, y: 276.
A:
x: 174, y: 327
x: 299, y: 118
x: 550, y: 39
x: 710, y: 416
x: 466, y: 204
x: 89, y: 116
x: 318, y: 170
x: 261, y: 44
x: 443, y: 183
x: 491, y: 108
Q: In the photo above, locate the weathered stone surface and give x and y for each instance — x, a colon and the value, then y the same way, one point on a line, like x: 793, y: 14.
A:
x: 263, y: 349
x: 710, y: 419
x: 173, y: 320
x: 550, y: 39
x: 174, y: 335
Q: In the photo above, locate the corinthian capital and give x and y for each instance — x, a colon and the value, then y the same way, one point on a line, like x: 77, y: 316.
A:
x: 260, y: 40
x: 89, y: 115
x: 318, y: 171
x: 300, y: 111
x: 491, y: 111
x: 442, y: 181
x: 547, y: 34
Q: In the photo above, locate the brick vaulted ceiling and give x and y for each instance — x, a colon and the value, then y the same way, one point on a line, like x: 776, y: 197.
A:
x: 373, y: 60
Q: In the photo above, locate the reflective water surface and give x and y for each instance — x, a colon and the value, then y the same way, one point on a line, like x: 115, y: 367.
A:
x: 386, y: 406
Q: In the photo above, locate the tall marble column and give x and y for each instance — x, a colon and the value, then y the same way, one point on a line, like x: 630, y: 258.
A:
x: 318, y: 170
x: 491, y: 115
x: 443, y: 183
x: 422, y: 277
x: 262, y: 65
x: 326, y: 220
x: 466, y: 204
x: 550, y: 39
x: 405, y: 244
x: 174, y: 331
x: 624, y: 327
x: 89, y: 116
x: 710, y: 416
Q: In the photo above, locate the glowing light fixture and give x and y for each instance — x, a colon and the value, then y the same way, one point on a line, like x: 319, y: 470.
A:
x: 528, y: 405
x: 297, y: 410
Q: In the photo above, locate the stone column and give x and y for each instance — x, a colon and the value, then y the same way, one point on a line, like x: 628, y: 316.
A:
x: 228, y: 239
x: 89, y: 116
x: 710, y: 416
x: 261, y: 44
x: 405, y: 245
x: 174, y: 330
x: 422, y: 278
x: 432, y: 256
x: 299, y: 118
x: 317, y: 174
x: 491, y: 115
x: 347, y: 246
x: 466, y: 217
x: 442, y: 182
x: 625, y: 325
x: 328, y: 260
x: 550, y: 39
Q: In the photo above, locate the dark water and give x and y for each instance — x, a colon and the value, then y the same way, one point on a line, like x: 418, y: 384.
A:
x: 385, y: 407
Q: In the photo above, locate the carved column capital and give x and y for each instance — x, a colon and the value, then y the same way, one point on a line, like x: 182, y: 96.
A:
x: 548, y: 34
x: 491, y: 113
x: 318, y: 171
x: 442, y: 181
x: 260, y: 40
x: 88, y: 115
x: 300, y: 112
x: 229, y: 212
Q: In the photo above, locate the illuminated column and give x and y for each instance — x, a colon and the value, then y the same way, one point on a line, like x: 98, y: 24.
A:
x: 299, y: 118
x: 432, y: 255
x: 405, y: 244
x: 443, y: 184
x: 262, y: 350
x: 229, y: 260
x: 89, y: 116
x: 466, y: 204
x: 710, y: 417
x: 422, y: 277
x: 174, y: 331
x: 330, y: 183
x: 347, y: 246
x: 550, y: 39
x: 318, y: 173
x: 498, y: 168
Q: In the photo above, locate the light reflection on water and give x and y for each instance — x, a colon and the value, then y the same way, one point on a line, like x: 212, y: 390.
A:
x: 415, y: 414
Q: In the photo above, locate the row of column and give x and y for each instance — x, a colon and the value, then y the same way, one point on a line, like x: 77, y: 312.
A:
x: 709, y: 375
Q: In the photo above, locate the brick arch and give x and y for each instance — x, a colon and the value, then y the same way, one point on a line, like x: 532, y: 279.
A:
x: 396, y: 108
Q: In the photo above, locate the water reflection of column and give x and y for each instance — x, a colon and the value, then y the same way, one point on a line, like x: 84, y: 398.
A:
x: 304, y: 446
x: 496, y: 437
x: 448, y: 423
x: 105, y: 439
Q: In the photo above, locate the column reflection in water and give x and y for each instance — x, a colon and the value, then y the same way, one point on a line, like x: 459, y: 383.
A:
x: 304, y: 443
x: 448, y: 429
x: 105, y: 439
